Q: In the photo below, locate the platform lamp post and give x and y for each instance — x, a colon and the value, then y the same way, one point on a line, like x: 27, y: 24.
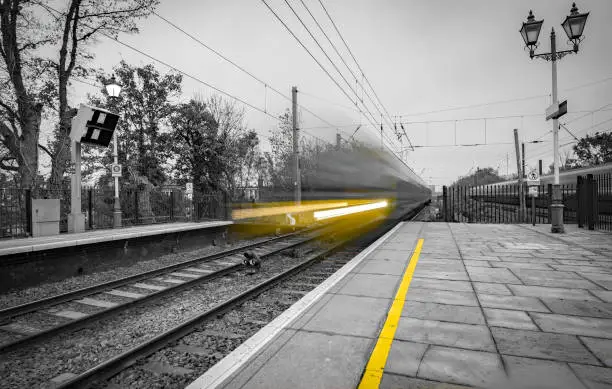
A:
x: 113, y: 89
x: 530, y: 31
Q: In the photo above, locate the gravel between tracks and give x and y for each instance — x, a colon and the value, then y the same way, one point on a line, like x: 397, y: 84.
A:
x: 219, y: 337
x: 23, y: 296
x: 76, y: 352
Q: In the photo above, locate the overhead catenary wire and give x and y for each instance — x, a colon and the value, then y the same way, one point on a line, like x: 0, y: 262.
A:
x: 241, y: 68
x: 354, y: 59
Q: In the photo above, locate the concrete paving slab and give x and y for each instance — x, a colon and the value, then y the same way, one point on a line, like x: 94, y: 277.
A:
x: 442, y: 274
x: 594, y: 377
x: 492, y: 275
x: 529, y: 373
x: 574, y: 325
x: 481, y: 258
x: 601, y: 348
x: 371, y: 285
x: 512, y: 302
x: 491, y: 288
x: 395, y: 381
x: 518, y: 266
x: 381, y: 267
x: 559, y: 283
x: 549, y: 292
x: 589, y: 269
x: 474, y: 368
x: 442, y: 296
x: 604, y: 295
x: 342, y: 357
x: 405, y: 357
x: 536, y: 344
x: 524, y: 272
x: 361, y: 316
x: 603, y: 280
x: 579, y: 308
x: 469, y: 336
x: 476, y: 263
x: 443, y: 312
x: 509, y: 319
x: 389, y: 254
x: 429, y: 283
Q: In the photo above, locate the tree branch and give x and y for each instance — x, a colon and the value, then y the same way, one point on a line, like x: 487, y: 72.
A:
x: 46, y: 150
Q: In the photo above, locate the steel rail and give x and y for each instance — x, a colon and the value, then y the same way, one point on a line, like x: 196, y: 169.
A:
x: 107, y: 313
x: 113, y: 366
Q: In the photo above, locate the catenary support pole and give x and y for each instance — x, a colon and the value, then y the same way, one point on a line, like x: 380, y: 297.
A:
x: 296, y: 148
x: 520, y: 177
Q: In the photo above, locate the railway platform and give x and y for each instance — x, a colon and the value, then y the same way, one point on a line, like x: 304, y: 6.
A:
x: 28, y: 261
x: 441, y: 305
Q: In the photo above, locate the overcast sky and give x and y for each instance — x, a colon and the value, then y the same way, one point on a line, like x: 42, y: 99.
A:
x: 420, y: 57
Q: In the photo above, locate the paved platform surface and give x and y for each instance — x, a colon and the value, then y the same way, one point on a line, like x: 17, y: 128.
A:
x: 491, y: 306
x: 16, y: 246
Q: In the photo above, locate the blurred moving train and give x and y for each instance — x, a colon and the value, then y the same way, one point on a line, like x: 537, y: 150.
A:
x: 349, y: 178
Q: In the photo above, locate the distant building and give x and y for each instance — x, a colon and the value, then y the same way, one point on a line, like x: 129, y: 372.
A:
x: 432, y: 188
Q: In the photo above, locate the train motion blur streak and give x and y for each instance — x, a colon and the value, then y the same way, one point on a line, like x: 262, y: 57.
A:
x: 345, y: 178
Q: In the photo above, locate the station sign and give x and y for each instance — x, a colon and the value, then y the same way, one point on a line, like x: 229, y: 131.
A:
x: 556, y: 110
x: 533, y: 191
x: 116, y: 170
x: 533, y: 178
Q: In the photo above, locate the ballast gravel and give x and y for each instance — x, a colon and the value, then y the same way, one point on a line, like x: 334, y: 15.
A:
x: 34, y: 366
x: 23, y: 296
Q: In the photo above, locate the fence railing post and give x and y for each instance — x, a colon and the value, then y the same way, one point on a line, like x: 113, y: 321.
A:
x: 90, y: 207
x: 135, y: 206
x: 591, y: 199
x: 549, y: 201
x: 445, y: 202
x: 580, y: 204
x: 172, y: 205
x: 28, y: 204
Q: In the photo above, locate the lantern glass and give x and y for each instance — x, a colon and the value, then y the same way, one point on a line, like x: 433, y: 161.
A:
x: 531, y: 31
x: 113, y: 89
x: 574, y: 25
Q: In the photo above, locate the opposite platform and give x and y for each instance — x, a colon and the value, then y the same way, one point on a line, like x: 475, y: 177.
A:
x: 26, y: 245
x: 494, y: 306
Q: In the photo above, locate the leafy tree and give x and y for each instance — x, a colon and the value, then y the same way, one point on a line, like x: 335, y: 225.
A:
x: 36, y: 80
x: 212, y: 148
x: 479, y: 177
x: 594, y: 149
x: 145, y: 104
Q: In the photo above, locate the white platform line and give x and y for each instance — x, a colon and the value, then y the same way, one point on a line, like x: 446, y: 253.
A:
x: 221, y: 371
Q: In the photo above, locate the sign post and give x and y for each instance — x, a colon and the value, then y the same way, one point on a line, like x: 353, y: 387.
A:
x: 93, y: 126
x: 533, y: 182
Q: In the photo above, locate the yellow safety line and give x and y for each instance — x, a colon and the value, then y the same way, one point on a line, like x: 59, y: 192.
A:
x: 376, y: 365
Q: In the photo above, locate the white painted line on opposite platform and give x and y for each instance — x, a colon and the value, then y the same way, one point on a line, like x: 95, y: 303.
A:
x: 221, y: 371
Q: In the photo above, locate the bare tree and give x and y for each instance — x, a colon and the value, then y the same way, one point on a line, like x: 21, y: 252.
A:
x: 38, y: 81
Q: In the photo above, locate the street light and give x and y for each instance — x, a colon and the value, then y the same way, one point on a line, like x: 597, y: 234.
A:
x: 530, y: 31
x: 113, y: 89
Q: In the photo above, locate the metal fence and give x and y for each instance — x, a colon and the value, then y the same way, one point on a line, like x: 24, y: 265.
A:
x: 138, y: 206
x: 588, y: 203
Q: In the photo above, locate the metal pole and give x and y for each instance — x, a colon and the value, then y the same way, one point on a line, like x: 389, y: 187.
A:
x: 76, y: 218
x: 520, y: 177
x: 296, y: 148
x: 540, y: 167
x: 117, y: 205
x: 557, y: 197
x: 523, y: 152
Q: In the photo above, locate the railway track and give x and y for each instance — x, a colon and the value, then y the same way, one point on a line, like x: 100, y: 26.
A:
x: 273, y: 294
x: 39, y: 320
